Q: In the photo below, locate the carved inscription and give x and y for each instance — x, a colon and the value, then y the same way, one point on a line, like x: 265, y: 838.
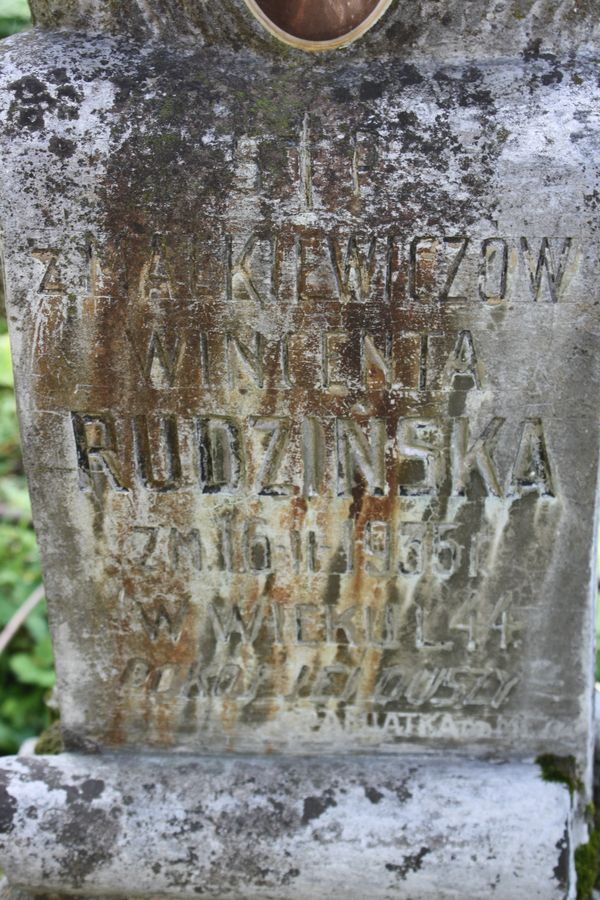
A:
x: 410, y: 550
x: 310, y: 488
x: 296, y: 265
x: 437, y: 687
x: 373, y: 454
x: 337, y: 360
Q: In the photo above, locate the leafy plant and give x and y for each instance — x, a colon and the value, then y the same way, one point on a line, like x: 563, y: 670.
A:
x: 598, y: 626
x: 26, y: 666
x: 14, y: 16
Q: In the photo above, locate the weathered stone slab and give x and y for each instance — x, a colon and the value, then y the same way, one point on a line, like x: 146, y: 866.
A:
x: 264, y: 828
x: 306, y: 352
x: 450, y: 30
x: 307, y: 374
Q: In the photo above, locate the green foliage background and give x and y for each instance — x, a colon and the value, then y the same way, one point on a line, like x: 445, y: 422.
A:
x: 14, y: 16
x: 26, y: 667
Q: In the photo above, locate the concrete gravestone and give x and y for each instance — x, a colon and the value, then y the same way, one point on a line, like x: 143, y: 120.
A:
x: 305, y: 356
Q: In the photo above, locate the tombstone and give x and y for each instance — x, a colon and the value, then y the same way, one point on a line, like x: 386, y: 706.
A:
x: 304, y: 314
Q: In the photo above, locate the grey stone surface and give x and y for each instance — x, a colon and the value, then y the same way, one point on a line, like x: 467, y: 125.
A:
x: 452, y: 29
x: 306, y: 355
x: 286, y: 829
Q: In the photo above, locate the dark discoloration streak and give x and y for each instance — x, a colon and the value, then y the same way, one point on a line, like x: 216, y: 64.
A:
x: 561, y: 869
x: 373, y: 795
x: 33, y: 99
x: 290, y: 875
x: 411, y: 863
x: 61, y: 147
x: 92, y: 789
x: 88, y: 791
x: 401, y: 790
x: 86, y: 833
x: 89, y: 837
x: 314, y: 807
x: 8, y: 808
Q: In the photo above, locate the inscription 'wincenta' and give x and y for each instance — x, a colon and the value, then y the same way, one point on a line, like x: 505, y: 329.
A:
x: 334, y: 361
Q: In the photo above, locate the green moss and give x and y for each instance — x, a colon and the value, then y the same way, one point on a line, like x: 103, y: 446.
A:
x: 50, y: 742
x: 519, y: 12
x: 561, y: 770
x: 167, y: 109
x: 587, y: 866
x: 590, y: 813
x: 277, y: 114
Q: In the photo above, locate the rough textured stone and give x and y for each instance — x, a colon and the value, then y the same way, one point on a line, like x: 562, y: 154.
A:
x: 452, y: 29
x: 306, y: 353
x: 265, y: 828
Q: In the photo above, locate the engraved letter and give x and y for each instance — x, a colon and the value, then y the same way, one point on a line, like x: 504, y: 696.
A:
x: 189, y: 543
x: 341, y: 621
x: 376, y: 547
x: 51, y: 282
x: 531, y: 470
x: 461, y: 244
x: 160, y: 364
x: 241, y: 269
x: 354, y: 272
x: 251, y: 360
x: 357, y: 453
x: 554, y: 273
x: 155, y: 281
x: 221, y: 460
x: 422, y: 439
x: 151, y: 534
x: 494, y: 262
x: 167, y: 612
x: 462, y: 362
x: 373, y: 358
x: 96, y: 445
x: 422, y: 270
x: 266, y: 480
x: 232, y: 623
x: 477, y: 456
x: 157, y: 454
x: 313, y: 457
x: 256, y: 547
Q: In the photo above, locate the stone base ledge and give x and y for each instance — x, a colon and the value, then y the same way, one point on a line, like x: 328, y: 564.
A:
x: 249, y: 828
